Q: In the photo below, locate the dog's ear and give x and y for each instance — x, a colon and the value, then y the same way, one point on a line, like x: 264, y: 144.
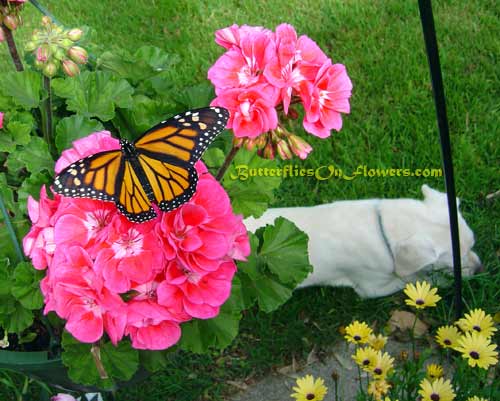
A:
x: 432, y: 195
x: 413, y: 254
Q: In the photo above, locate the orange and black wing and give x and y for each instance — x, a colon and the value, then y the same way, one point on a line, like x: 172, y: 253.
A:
x: 106, y: 176
x: 168, y: 151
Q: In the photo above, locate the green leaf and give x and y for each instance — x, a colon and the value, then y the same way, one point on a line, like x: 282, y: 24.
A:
x: 213, y: 157
x: 201, y: 336
x: 120, y: 362
x: 17, y: 319
x: 145, y: 113
x: 31, y: 186
x: 23, y: 87
x: 285, y: 251
x: 26, y: 288
x: 20, y: 132
x: 197, y: 96
x: 153, y: 361
x: 249, y: 183
x: 74, y: 127
x: 7, y: 195
x: 5, y: 277
x: 94, y: 94
x: 35, y: 157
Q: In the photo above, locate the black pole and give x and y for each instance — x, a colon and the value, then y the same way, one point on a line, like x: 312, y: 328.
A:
x: 439, y: 101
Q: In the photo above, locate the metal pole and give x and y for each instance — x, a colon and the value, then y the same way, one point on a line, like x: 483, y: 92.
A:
x: 439, y: 101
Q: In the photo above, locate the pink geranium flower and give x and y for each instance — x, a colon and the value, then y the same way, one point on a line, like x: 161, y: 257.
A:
x: 252, y: 110
x: 108, y: 275
x: 1, y: 114
x: 326, y: 99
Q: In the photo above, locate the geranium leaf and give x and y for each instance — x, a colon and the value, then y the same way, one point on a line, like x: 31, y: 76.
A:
x: 120, y: 362
x: 23, y: 87
x: 251, y: 193
x: 94, y: 94
x: 17, y: 318
x: 284, y: 251
x: 31, y: 186
x: 74, y: 127
x: 20, y: 132
x: 26, y: 287
x: 34, y: 156
x: 5, y: 277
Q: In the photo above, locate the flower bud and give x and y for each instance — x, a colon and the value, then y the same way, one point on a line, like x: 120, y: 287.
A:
x: 2, y: 38
x: 238, y: 142
x: 74, y: 34
x: 70, y: 68
x: 78, y: 54
x: 250, y: 143
x: 261, y: 141
x: 268, y: 152
x: 10, y: 21
x: 50, y: 70
x: 63, y: 397
x: 66, y: 43
x: 283, y: 150
x: 39, y: 64
x: 30, y: 46
x: 298, y: 146
x: 42, y: 53
x: 60, y: 54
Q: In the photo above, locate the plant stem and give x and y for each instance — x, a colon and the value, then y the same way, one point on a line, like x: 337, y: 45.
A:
x: 360, y: 382
x: 412, y: 334
x: 44, y: 11
x: 47, y: 116
x: 10, y: 229
x: 229, y: 158
x: 12, y: 48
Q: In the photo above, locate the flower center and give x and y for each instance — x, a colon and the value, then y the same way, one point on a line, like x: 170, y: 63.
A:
x: 357, y: 338
x: 447, y: 342
x: 435, y: 397
x: 419, y: 302
x: 377, y: 371
x: 477, y: 328
x: 366, y: 362
x: 310, y: 396
x: 474, y: 355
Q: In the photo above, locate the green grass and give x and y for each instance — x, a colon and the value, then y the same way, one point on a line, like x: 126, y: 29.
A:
x: 392, y: 124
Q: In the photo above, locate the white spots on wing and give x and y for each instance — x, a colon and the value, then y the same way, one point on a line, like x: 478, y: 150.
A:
x: 77, y: 181
x: 187, y: 124
x: 202, y: 126
x: 195, y: 119
x: 182, y: 120
x: 72, y: 171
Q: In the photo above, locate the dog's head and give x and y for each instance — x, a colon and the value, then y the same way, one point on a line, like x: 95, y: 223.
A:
x: 430, y: 245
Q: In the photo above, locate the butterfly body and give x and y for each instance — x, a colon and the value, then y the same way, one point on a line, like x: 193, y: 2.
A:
x: 157, y: 168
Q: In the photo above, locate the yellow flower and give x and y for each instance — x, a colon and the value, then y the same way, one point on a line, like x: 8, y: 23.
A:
x: 447, y: 336
x: 378, y: 388
x: 438, y: 390
x: 357, y: 332
x: 478, y: 350
x: 383, y: 365
x: 478, y: 321
x: 434, y: 371
x: 422, y: 295
x: 366, y: 358
x: 377, y: 342
x: 309, y: 389
x: 476, y: 398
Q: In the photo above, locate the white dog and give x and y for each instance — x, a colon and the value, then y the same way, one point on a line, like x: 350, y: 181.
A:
x: 377, y: 245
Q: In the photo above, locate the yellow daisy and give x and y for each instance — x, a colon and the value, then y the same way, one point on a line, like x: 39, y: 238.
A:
x: 383, y: 365
x: 309, y: 389
x: 476, y: 398
x: 421, y: 295
x: 438, y: 390
x: 357, y: 332
x: 434, y: 371
x: 478, y: 321
x: 447, y: 336
x: 378, y: 388
x: 377, y: 342
x: 477, y: 349
x: 366, y: 358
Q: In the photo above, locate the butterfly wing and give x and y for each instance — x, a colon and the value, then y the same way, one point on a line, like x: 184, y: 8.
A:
x: 168, y: 151
x: 106, y: 176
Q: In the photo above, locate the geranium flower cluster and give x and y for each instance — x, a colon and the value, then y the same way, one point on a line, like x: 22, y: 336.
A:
x: 108, y: 275
x: 263, y: 72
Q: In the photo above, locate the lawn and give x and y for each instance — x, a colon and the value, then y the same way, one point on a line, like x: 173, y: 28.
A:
x: 391, y: 125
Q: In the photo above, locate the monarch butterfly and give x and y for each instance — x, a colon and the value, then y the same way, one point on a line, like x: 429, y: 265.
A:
x: 158, y: 167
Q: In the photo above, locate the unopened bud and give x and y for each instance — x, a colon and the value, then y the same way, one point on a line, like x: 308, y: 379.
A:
x: 70, y: 68
x: 238, y: 142
x: 268, y: 152
x: 30, y: 46
x: 249, y: 143
x: 261, y: 141
x: 75, y: 34
x: 60, y: 54
x: 299, y: 146
x: 42, y: 53
x: 335, y: 375
x: 50, y: 70
x: 10, y: 21
x: 66, y: 43
x: 78, y: 54
x: 284, y: 150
